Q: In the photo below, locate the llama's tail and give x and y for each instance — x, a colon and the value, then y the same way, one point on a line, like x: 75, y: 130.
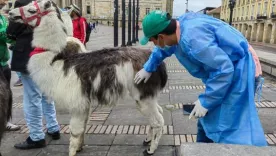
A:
x: 82, y: 47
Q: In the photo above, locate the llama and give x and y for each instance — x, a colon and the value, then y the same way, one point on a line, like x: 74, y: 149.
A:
x: 5, y: 104
x: 77, y: 80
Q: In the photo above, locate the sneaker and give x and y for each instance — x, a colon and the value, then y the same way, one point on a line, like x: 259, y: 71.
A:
x: 12, y: 127
x: 30, y: 144
x: 18, y: 83
x: 55, y: 135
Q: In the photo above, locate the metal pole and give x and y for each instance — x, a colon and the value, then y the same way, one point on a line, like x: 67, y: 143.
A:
x: 129, y: 24
x: 115, y: 23
x: 137, y: 20
x: 231, y: 6
x: 187, y: 6
x: 231, y: 15
x: 123, y: 23
x: 133, y: 23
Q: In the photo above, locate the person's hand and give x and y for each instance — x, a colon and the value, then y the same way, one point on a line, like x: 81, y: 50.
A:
x: 199, y: 111
x: 142, y: 75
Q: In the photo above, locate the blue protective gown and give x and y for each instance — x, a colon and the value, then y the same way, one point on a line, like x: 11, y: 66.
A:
x: 218, y: 54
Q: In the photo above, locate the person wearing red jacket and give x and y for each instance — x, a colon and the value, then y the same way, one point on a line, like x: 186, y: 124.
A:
x: 79, y: 24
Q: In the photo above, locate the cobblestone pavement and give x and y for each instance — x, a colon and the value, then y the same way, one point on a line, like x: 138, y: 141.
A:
x: 120, y: 130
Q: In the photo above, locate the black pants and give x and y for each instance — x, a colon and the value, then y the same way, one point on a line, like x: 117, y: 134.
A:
x: 7, y: 73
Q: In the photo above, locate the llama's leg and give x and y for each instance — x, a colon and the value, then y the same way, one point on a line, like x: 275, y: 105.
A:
x: 82, y: 136
x: 148, y: 139
x: 77, y: 129
x: 151, y: 109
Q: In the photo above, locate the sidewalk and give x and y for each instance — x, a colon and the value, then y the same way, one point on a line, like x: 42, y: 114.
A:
x: 120, y: 130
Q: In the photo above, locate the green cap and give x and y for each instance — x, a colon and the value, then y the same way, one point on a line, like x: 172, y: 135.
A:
x: 154, y: 23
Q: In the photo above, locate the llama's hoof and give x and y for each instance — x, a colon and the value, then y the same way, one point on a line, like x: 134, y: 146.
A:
x: 146, y: 153
x: 80, y: 149
x: 146, y: 143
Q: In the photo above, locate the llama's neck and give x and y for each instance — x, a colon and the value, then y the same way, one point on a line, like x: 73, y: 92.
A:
x: 50, y: 34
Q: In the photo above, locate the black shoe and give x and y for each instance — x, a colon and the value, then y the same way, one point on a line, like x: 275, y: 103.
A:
x: 55, y: 135
x: 30, y: 144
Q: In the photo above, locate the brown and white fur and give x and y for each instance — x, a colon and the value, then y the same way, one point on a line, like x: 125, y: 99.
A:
x: 77, y: 80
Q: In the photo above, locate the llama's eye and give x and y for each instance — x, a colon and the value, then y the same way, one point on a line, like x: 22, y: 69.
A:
x: 32, y: 11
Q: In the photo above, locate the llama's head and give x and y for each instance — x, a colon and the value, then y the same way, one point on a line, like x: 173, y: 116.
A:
x: 32, y: 13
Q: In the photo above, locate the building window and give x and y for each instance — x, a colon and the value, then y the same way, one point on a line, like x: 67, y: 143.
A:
x: 273, y: 6
x: 247, y: 11
x: 147, y: 10
x: 265, y: 8
x: 157, y: 9
x: 259, y: 8
x: 119, y: 10
x: 242, y: 11
x: 88, y: 10
x: 252, y: 10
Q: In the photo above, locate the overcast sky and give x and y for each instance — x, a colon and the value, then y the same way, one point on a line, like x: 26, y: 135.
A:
x: 194, y: 5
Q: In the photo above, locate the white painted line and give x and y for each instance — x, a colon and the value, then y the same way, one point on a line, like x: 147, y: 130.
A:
x: 108, y: 130
x: 136, y: 130
x: 114, y: 129
x: 147, y: 129
x: 91, y: 130
x: 142, y: 129
x: 97, y: 130
x: 130, y: 130
x: 125, y: 129
x: 189, y: 138
x: 176, y: 140
x: 170, y: 129
x: 120, y: 129
x: 183, y: 138
x: 103, y: 129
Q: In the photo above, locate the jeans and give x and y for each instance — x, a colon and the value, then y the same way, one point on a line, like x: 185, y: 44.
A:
x: 35, y: 104
x: 19, y: 75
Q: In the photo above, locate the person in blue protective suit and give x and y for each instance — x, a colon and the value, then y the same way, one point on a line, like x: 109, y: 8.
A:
x: 219, y: 55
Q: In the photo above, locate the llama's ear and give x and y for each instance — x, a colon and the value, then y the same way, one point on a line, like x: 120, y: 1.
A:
x: 70, y: 10
x: 60, y: 10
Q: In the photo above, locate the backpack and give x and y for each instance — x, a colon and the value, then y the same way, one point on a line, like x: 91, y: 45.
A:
x: 88, y: 30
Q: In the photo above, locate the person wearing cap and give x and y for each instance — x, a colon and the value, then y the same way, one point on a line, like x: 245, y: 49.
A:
x: 219, y: 55
x: 35, y: 104
x: 79, y: 23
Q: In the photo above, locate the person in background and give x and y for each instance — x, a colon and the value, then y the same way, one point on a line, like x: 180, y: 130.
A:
x: 79, y: 24
x: 5, y: 56
x: 35, y: 104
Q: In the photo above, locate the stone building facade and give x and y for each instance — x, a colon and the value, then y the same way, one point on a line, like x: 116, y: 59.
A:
x: 256, y: 19
x: 102, y: 10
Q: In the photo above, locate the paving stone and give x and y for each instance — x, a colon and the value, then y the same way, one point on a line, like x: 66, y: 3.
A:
x: 268, y: 116
x: 101, y: 139
x: 89, y: 139
x: 138, y: 140
x: 64, y: 140
x: 7, y: 145
x: 63, y: 150
x: 269, y: 94
x: 129, y: 115
x: 184, y: 96
x: 63, y: 118
x: 138, y: 151
x: 129, y: 139
x: 164, y: 99
x: 182, y: 81
x: 182, y: 124
x: 197, y: 149
x: 181, y: 76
